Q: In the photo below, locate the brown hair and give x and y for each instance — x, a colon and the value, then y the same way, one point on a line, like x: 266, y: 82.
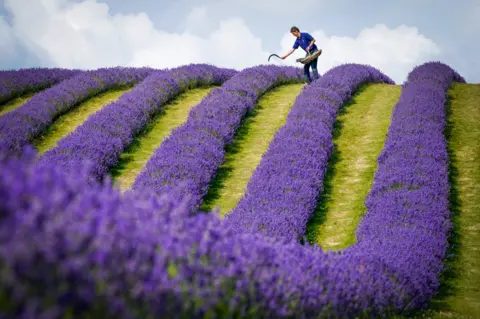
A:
x: 293, y: 29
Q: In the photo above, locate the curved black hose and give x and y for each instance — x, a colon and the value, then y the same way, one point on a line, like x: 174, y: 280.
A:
x: 273, y: 55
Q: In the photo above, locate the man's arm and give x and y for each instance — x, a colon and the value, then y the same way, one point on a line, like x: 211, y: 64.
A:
x: 310, y: 45
x: 288, y: 53
x: 312, y: 41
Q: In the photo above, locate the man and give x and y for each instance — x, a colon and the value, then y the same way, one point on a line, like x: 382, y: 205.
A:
x: 307, y: 43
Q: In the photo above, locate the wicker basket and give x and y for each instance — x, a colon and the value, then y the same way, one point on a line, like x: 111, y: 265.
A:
x: 310, y: 57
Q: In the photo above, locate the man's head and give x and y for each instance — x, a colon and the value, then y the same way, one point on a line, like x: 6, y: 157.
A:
x: 295, y: 31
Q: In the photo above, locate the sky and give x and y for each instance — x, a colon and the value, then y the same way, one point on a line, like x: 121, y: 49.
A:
x: 393, y: 36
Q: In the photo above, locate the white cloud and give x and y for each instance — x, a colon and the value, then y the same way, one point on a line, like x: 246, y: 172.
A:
x: 394, y: 51
x: 86, y: 35
x: 224, y: 47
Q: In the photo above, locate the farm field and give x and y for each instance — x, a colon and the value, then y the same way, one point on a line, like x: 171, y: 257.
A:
x: 202, y: 191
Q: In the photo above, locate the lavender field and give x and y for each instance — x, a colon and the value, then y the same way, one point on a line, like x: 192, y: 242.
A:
x: 207, y: 192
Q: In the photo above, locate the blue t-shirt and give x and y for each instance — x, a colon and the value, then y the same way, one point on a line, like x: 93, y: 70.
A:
x: 304, y: 41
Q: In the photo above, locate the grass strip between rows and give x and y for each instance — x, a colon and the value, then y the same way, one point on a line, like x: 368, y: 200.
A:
x: 250, y: 143
x: 15, y: 103
x: 464, y: 146
x: 136, y: 155
x: 359, y: 134
x: 67, y: 123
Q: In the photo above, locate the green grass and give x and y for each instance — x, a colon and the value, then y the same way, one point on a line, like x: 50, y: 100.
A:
x: 464, y: 147
x: 245, y: 152
x: 13, y: 104
x: 359, y: 135
x: 459, y: 294
x: 137, y: 154
x: 68, y: 122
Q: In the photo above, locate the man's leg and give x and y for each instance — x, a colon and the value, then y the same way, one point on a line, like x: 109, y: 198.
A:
x: 306, y: 72
x: 314, y: 68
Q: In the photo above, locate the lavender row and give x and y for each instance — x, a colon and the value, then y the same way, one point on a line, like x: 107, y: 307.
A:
x: 14, y: 83
x: 282, y: 192
x: 19, y: 127
x: 101, y: 139
x: 189, y: 158
x: 407, y: 222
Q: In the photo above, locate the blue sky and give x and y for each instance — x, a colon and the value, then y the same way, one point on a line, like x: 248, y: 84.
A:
x: 391, y: 35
